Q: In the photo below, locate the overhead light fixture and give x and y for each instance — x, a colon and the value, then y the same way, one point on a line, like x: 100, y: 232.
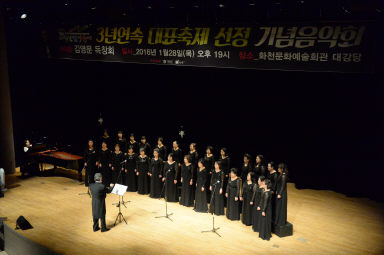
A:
x: 93, y: 8
x: 23, y: 16
x: 221, y: 5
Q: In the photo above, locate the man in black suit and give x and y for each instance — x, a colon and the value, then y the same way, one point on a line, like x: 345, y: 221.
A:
x: 99, y: 192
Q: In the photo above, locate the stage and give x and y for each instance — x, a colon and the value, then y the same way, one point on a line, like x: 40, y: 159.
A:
x: 324, y: 222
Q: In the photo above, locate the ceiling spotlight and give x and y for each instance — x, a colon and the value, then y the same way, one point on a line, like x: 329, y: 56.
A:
x: 23, y: 16
x: 221, y: 5
x: 66, y: 4
x: 93, y: 8
x: 149, y: 7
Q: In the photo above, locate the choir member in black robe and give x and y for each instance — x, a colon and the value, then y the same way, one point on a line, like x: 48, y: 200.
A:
x: 107, y: 139
x: 233, y: 194
x: 156, y: 175
x: 162, y: 149
x: 118, y: 171
x: 194, y: 158
x: 209, y: 163
x: 246, y: 198
x: 143, y: 167
x: 121, y: 141
x: 272, y: 176
x: 201, y: 204
x: 146, y: 146
x: 209, y: 160
x: 225, y: 167
x: 224, y: 162
x: 177, y: 153
x: 257, y: 192
x: 170, y: 174
x: 99, y: 192
x: 281, y: 196
x: 90, y: 165
x: 187, y: 172
x: 265, y: 207
x: 260, y: 169
x: 217, y: 182
x: 246, y: 167
x: 104, y: 162
x: 193, y: 154
x: 130, y: 169
x: 134, y: 144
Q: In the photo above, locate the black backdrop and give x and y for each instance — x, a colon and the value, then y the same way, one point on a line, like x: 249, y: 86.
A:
x: 326, y: 126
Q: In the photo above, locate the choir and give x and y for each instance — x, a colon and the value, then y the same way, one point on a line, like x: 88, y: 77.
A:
x: 255, y: 195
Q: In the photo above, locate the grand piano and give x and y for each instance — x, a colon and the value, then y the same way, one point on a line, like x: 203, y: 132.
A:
x: 41, y: 154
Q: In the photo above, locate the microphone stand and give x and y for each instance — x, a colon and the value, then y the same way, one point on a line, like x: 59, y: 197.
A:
x: 213, y: 230
x: 165, y: 198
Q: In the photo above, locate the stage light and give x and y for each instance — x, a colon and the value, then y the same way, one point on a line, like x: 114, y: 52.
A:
x: 221, y: 5
x: 93, y: 8
x: 23, y: 16
x: 149, y: 7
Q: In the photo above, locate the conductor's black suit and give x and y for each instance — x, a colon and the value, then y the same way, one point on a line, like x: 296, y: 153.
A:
x: 98, y: 191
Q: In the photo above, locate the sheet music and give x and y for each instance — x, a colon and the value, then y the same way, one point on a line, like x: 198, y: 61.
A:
x: 119, y: 189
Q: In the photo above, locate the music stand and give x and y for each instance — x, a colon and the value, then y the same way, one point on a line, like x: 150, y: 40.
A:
x: 165, y: 198
x: 119, y: 190
x: 213, y: 230
x: 117, y: 180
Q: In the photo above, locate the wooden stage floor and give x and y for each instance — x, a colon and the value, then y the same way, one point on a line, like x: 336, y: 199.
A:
x: 324, y: 222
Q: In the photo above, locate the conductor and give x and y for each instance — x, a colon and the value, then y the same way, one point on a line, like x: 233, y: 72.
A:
x: 99, y: 191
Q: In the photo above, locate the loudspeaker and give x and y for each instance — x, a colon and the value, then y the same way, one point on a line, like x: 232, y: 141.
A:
x: 22, y: 223
x: 282, y: 231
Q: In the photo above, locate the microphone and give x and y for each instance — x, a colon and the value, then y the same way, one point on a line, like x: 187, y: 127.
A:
x: 217, y: 182
x: 123, y: 162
